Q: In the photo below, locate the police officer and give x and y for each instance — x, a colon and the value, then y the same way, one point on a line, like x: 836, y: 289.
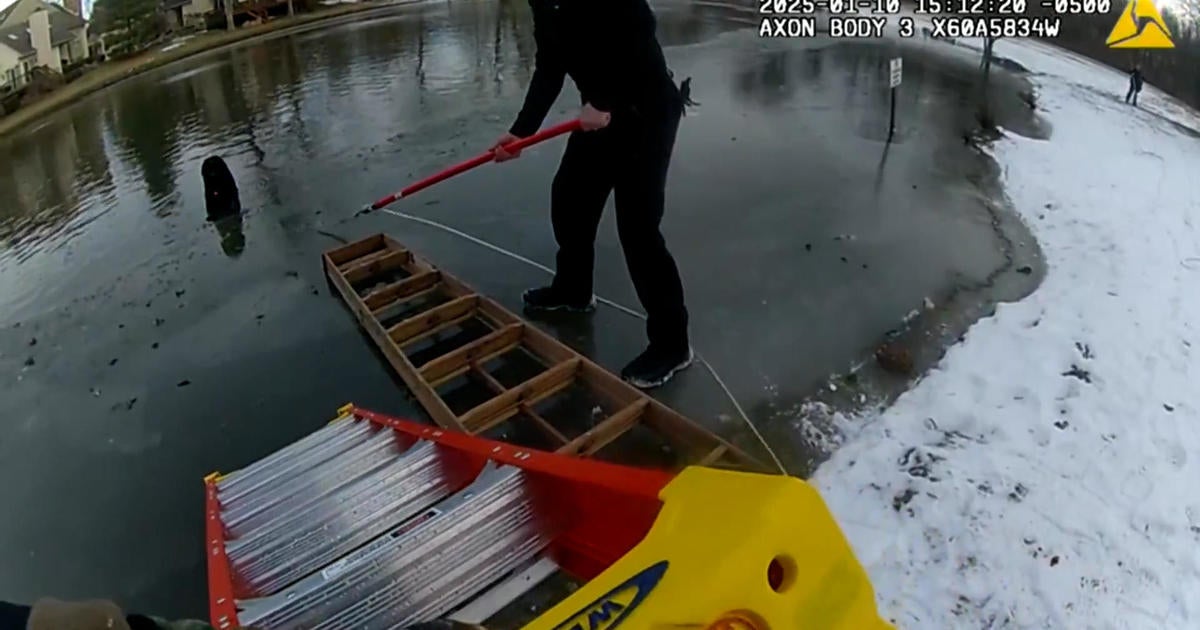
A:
x: 630, y: 115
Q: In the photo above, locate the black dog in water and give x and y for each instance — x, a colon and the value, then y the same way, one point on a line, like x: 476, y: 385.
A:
x: 220, y: 191
x: 223, y: 205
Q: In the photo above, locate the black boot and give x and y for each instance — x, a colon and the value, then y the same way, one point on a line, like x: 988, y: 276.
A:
x: 552, y: 299
x: 655, y: 367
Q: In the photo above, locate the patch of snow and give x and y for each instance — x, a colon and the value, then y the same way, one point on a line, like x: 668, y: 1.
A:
x: 820, y: 425
x: 1045, y: 474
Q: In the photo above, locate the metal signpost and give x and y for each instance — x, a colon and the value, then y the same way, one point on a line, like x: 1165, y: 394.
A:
x: 896, y: 68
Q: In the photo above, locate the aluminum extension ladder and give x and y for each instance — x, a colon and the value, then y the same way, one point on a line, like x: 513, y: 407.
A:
x: 355, y: 526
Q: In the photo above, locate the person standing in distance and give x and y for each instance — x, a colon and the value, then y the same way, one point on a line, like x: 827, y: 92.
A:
x: 630, y: 115
x: 1135, y: 84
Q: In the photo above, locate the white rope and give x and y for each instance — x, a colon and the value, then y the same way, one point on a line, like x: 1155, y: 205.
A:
x: 620, y: 307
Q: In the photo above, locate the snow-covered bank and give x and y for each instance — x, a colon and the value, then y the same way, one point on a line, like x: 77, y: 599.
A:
x: 1047, y: 473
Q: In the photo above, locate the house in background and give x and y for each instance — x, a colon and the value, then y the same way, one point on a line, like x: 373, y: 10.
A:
x: 17, y: 57
x: 187, y: 14
x: 36, y: 33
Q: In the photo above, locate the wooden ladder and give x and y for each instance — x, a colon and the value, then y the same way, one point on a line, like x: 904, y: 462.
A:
x: 476, y: 367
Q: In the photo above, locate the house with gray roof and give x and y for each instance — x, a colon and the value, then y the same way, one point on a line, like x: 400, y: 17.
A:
x: 37, y: 33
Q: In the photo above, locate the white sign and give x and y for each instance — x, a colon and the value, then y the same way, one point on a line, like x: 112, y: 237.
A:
x: 897, y: 68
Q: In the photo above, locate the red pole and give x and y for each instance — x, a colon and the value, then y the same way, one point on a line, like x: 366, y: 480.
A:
x: 545, y: 134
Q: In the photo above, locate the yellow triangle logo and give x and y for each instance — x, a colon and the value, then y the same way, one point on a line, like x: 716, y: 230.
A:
x: 1140, y: 26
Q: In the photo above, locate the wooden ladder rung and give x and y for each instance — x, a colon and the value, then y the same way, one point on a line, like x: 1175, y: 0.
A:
x: 713, y: 456
x: 544, y: 424
x: 457, y: 362
x: 399, y: 306
x: 608, y: 430
x: 526, y: 408
x: 393, y: 259
x: 435, y: 319
x: 365, y: 260
x: 350, y: 251
x: 504, y: 406
x: 402, y: 289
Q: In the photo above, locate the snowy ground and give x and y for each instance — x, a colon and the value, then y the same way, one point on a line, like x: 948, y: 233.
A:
x: 1047, y: 473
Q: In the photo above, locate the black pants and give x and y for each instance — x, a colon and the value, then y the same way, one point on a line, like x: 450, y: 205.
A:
x: 1132, y: 94
x: 629, y: 158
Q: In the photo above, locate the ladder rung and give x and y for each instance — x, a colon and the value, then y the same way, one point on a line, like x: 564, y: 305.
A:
x: 399, y: 306
x: 608, y: 430
x: 442, y: 327
x: 429, y: 321
x: 349, y: 252
x: 713, y: 456
x: 342, y: 519
x: 489, y: 380
x: 544, y: 425
x: 508, y: 404
x: 230, y: 482
x: 525, y: 408
x: 424, y: 563
x: 363, y: 261
x: 394, y: 259
x: 458, y: 362
x: 405, y: 288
